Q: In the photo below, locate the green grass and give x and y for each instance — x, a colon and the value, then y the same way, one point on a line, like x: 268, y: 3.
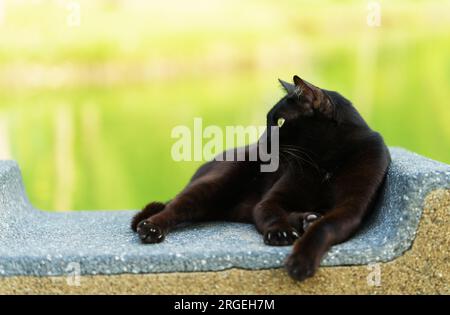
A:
x: 88, y: 111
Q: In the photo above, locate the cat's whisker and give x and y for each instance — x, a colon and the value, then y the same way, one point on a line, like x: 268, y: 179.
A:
x: 302, y: 152
x: 296, y: 159
x: 297, y: 148
x: 309, y: 161
x: 297, y: 153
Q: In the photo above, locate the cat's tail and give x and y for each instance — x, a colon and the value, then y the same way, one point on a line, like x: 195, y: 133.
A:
x: 149, y: 210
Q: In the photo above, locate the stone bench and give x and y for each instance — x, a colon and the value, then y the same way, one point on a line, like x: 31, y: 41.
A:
x: 39, y: 249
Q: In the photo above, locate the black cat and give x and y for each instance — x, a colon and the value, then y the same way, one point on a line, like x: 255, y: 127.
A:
x: 330, y: 169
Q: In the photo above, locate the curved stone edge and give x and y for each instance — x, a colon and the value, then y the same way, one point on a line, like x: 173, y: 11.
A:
x: 12, y: 196
x: 421, y: 270
x: 411, y: 179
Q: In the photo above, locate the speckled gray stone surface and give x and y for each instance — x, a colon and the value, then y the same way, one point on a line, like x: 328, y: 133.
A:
x: 33, y: 242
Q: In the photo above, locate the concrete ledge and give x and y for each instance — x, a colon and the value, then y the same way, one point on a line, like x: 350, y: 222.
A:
x: 421, y: 270
x: 34, y: 244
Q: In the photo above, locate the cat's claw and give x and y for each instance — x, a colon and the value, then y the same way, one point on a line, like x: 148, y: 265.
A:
x: 149, y: 233
x: 280, y: 237
x: 309, y: 219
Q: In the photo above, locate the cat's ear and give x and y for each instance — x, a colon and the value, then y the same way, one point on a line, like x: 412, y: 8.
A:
x: 289, y: 87
x: 304, y: 87
x: 314, y: 95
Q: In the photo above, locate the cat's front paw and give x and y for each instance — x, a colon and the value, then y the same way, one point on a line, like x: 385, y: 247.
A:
x: 300, y: 267
x: 149, y: 233
x: 280, y: 237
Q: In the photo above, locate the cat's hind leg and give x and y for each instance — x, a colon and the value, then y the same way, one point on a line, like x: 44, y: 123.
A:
x: 206, y: 198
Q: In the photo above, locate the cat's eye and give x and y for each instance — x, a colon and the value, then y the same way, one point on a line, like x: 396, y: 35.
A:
x: 280, y: 121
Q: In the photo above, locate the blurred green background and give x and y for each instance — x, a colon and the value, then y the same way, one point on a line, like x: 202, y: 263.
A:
x: 87, y: 110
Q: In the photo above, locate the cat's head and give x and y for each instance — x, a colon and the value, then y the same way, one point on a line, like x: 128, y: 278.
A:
x: 307, y: 111
x: 303, y: 101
